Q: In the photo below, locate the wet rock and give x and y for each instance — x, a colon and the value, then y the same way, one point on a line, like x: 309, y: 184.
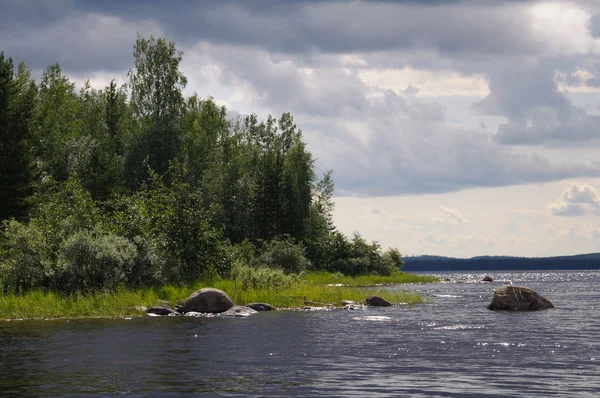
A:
x: 160, y: 310
x: 240, y: 311
x: 347, y: 302
x: 376, y: 301
x: 207, y: 300
x: 260, y: 306
x: 199, y: 314
x: 487, y: 278
x: 353, y: 307
x: 518, y: 298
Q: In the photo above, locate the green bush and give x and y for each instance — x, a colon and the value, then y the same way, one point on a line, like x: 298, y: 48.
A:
x: 357, y: 257
x: 27, y: 258
x: 95, y: 262
x: 264, y: 278
x: 285, y: 254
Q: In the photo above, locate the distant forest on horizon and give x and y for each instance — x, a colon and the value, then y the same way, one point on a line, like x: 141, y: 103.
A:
x: 589, y: 261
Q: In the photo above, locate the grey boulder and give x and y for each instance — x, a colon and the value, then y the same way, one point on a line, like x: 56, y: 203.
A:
x: 207, y: 300
x: 376, y: 301
x: 239, y: 311
x: 260, y: 306
x: 160, y: 310
x: 518, y: 298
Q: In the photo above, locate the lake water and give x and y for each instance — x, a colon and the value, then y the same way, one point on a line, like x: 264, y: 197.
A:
x: 450, y: 347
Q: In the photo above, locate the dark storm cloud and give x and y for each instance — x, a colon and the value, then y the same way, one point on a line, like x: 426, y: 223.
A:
x: 287, y: 56
x: 381, y: 142
x: 457, y: 28
x: 537, y: 112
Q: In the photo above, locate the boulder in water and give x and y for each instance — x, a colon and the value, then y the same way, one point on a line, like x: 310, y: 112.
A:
x: 260, y: 306
x: 518, y: 298
x: 376, y: 301
x: 207, y: 300
x: 160, y: 310
x: 240, y: 311
x: 487, y: 278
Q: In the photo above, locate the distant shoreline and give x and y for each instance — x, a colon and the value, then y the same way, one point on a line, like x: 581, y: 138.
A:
x: 502, y: 263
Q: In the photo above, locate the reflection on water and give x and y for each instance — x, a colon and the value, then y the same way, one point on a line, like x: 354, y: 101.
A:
x: 450, y: 346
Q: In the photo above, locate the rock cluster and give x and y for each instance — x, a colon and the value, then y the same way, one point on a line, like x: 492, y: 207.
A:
x: 208, y: 302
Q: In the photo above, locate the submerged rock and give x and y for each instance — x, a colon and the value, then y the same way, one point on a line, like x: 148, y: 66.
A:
x: 487, y: 278
x: 376, y: 301
x: 518, y: 298
x: 260, y: 306
x: 207, y: 300
x: 240, y: 311
x: 352, y: 307
x: 160, y: 310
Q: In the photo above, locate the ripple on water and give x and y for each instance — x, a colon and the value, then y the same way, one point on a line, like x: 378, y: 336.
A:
x: 373, y: 318
x: 458, y: 327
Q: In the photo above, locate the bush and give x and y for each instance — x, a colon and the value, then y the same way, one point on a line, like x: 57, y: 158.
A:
x: 285, y: 254
x: 264, y: 278
x: 95, y: 262
x: 99, y: 261
x: 27, y: 258
x: 357, y: 257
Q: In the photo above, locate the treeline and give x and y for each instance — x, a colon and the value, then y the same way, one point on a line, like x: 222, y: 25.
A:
x: 502, y: 263
x: 136, y: 184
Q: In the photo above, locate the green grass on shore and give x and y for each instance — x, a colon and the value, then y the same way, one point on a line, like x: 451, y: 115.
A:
x: 123, y: 302
x: 323, y: 277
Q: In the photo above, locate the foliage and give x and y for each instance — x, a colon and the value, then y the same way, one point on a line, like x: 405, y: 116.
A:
x: 136, y: 185
x: 264, y: 278
x: 180, y: 227
x: 284, y: 254
x: 17, y: 101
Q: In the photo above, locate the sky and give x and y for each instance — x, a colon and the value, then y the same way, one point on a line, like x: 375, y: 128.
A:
x: 453, y: 127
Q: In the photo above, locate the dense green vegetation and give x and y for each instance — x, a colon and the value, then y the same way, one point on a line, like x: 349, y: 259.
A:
x: 136, y: 186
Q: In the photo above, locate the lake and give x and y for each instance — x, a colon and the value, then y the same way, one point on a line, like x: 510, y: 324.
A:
x: 452, y: 346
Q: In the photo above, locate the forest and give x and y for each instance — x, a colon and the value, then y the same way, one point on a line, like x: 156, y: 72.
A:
x: 136, y: 185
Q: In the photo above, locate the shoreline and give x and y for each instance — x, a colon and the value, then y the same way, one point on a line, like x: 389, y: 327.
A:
x: 122, y: 302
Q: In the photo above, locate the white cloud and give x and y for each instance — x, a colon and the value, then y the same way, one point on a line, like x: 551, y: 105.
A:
x: 453, y: 216
x: 577, y: 200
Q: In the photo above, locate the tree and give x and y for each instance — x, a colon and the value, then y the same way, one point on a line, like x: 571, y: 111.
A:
x: 56, y: 125
x: 156, y: 94
x: 156, y: 82
x: 17, y: 100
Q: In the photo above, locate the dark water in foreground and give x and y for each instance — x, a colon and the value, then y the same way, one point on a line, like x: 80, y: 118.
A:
x: 451, y: 347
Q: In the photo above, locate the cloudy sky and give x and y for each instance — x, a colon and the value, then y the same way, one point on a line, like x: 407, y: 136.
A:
x: 454, y: 127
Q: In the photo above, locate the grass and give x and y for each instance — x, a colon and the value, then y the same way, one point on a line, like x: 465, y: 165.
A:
x: 123, y: 302
x: 323, y: 277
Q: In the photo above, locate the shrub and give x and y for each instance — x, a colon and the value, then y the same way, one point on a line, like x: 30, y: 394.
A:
x: 285, y: 254
x: 27, y: 258
x: 95, y: 262
x: 246, y: 277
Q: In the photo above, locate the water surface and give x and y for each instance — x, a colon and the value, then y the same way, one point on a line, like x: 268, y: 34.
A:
x: 452, y: 346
